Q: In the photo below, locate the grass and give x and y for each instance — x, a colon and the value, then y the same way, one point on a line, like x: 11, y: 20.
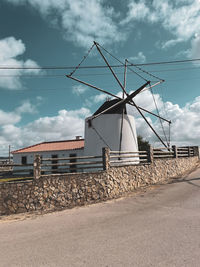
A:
x: 12, y: 179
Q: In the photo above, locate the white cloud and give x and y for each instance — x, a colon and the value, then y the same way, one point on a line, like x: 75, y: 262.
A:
x: 64, y: 125
x: 100, y: 98
x: 79, y: 89
x: 185, y: 127
x: 145, y: 100
x: 10, y: 47
x: 31, y: 64
x: 143, y: 129
x: 86, y: 21
x: 9, y: 118
x: 195, y: 47
x: 26, y: 107
x: 81, y: 21
x: 140, y: 58
x: 180, y: 18
x: 195, y: 105
x: 10, y: 50
x: 170, y: 43
x: 9, y: 132
x: 136, y: 11
x: 97, y: 99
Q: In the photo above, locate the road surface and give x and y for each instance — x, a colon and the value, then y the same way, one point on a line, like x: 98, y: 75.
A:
x: 160, y: 227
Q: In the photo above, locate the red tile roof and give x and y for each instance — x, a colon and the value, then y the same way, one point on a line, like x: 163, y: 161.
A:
x: 53, y: 146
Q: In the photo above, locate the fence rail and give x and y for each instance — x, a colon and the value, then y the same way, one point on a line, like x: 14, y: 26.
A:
x: 70, y: 158
x: 70, y: 164
x: 120, y: 158
x: 16, y: 172
x: 43, y: 166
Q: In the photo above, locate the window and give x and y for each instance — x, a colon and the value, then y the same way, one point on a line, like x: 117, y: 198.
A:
x: 54, y: 161
x: 24, y: 160
x: 72, y: 168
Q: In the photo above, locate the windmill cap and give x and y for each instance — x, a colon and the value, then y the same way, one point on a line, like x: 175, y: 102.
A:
x: 115, y: 110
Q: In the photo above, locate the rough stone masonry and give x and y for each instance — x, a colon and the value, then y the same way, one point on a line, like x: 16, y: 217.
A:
x: 55, y: 192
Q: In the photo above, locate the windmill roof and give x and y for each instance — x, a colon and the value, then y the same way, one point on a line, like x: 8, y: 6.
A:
x: 115, y: 110
x: 53, y: 146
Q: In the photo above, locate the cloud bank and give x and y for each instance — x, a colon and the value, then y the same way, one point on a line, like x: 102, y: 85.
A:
x: 65, y: 125
x: 84, y: 21
x: 10, y: 51
x: 81, y: 21
x: 185, y: 129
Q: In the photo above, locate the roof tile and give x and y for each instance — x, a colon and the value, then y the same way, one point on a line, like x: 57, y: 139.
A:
x: 53, y: 146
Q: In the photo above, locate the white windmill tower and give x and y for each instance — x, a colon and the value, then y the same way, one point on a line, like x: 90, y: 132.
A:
x: 111, y: 126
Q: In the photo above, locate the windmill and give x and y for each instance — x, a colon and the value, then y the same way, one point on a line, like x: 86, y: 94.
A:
x: 112, y: 116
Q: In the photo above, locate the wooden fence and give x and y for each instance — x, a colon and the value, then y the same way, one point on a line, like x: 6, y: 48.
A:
x: 128, y: 157
x: 12, y: 172
x: 45, y: 166
x: 70, y: 164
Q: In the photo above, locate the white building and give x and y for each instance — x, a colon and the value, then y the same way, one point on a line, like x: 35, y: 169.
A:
x: 114, y: 129
x: 52, y: 150
x: 110, y: 126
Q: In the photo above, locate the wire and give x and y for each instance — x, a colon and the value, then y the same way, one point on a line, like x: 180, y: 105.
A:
x: 84, y: 58
x: 123, y: 63
x: 159, y: 115
x: 178, y: 69
x: 163, y: 100
x: 91, y: 74
x: 169, y: 62
x: 146, y: 72
x: 95, y: 66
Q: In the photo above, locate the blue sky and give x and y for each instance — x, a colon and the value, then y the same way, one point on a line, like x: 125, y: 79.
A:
x: 38, y: 105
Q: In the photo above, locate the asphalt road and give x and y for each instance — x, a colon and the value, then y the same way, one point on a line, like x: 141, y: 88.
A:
x: 160, y: 227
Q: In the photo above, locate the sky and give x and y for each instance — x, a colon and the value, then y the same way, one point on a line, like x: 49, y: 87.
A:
x: 39, y: 105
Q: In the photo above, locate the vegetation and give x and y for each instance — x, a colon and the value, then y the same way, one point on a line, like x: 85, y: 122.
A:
x: 143, y: 145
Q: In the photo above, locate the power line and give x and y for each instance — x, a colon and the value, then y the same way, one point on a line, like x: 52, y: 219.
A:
x: 169, y: 62
x: 68, y: 88
x: 90, y: 74
x: 178, y: 69
x: 127, y: 65
x: 96, y: 66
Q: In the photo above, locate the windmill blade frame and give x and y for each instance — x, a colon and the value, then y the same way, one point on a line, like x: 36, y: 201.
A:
x: 129, y: 98
x: 115, y: 96
x: 123, y: 101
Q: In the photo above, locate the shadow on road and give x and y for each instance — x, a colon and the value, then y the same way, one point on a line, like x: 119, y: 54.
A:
x: 184, y: 180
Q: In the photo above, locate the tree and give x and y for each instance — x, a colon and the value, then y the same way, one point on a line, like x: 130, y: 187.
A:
x: 143, y: 145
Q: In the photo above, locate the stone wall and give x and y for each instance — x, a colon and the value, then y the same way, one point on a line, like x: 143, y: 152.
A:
x: 55, y: 192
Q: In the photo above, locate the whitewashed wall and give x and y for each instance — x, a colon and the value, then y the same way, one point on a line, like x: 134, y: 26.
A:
x: 105, y: 132
x: 45, y: 154
x: 17, y: 158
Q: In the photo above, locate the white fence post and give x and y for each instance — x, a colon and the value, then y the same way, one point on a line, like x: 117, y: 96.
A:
x: 37, y: 167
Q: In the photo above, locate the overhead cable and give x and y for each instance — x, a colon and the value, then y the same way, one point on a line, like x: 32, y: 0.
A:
x: 9, y: 67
